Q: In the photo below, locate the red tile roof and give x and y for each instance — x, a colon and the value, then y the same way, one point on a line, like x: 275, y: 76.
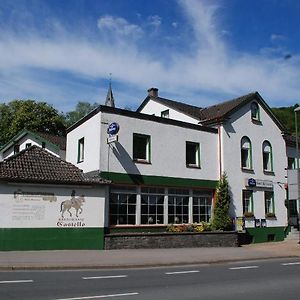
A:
x: 39, y: 166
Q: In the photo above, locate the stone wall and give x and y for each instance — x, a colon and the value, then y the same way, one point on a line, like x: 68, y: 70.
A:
x: 170, y: 240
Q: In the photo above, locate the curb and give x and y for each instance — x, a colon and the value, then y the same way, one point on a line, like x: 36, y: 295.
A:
x: 137, y: 266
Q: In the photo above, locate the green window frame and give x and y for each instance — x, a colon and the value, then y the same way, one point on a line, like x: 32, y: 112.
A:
x: 269, y: 204
x: 16, y: 148
x: 247, y: 198
x: 291, y: 163
x: 192, y: 155
x: 255, y: 113
x: 165, y: 113
x: 80, y: 151
x: 141, y: 148
x: 246, y: 153
x: 267, y: 154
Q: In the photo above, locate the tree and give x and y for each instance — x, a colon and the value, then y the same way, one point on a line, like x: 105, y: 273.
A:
x: 287, y: 118
x: 29, y: 114
x: 81, y: 110
x: 221, y: 219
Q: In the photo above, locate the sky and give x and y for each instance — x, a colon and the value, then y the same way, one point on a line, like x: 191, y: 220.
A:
x: 201, y: 52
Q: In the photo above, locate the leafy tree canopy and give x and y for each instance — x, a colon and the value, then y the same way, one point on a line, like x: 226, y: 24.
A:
x: 29, y: 114
x: 82, y: 109
x: 286, y: 116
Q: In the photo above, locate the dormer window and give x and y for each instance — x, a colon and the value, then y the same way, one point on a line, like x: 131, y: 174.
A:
x: 16, y: 149
x: 165, y: 114
x: 255, y: 112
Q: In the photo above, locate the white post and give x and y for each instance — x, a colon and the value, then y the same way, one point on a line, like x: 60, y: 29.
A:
x: 297, y: 167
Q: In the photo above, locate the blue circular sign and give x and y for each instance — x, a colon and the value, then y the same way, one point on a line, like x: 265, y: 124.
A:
x: 113, y: 128
x: 251, y: 182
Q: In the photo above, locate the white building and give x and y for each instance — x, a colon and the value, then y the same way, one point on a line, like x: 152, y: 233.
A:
x: 163, y: 171
x: 56, y: 145
x: 169, y: 156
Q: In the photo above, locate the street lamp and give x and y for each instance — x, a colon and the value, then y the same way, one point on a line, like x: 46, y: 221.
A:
x: 297, y: 167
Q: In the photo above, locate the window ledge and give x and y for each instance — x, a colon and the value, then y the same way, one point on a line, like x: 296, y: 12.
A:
x: 142, y: 161
x: 193, y: 166
x: 246, y: 170
x: 266, y: 172
x: 271, y: 217
x: 256, y: 121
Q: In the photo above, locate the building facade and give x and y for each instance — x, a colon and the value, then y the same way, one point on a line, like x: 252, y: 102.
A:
x: 55, y: 145
x: 162, y: 171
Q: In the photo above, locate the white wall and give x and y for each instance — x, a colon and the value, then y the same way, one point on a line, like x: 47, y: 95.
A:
x: 38, y: 206
x: 90, y: 131
x: 168, y: 144
x: 155, y: 108
x: 241, y: 125
x: 33, y: 141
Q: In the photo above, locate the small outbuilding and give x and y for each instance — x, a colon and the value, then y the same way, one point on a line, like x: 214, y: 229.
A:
x: 47, y: 203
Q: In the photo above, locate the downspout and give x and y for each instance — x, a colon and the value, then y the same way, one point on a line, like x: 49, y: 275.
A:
x: 220, y: 151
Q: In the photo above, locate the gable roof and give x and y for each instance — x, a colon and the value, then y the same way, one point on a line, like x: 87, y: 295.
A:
x: 58, y: 142
x: 187, y: 109
x: 36, y: 165
x: 216, y: 113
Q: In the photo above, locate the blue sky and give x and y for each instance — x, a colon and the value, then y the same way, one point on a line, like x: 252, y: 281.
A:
x: 200, y: 52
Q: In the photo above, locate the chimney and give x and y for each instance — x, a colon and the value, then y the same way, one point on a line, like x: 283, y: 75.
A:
x: 153, y: 92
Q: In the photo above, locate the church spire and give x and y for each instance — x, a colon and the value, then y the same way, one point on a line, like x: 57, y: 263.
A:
x: 110, y: 101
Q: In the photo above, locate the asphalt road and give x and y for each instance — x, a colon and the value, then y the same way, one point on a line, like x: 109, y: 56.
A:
x: 271, y: 279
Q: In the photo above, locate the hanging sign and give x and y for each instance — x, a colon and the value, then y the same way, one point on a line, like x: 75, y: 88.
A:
x: 113, y: 128
x: 112, y: 131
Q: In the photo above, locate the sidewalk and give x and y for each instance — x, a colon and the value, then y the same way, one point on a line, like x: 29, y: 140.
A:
x: 64, y: 259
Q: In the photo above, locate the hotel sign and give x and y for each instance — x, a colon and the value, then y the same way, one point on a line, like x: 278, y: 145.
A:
x: 259, y: 183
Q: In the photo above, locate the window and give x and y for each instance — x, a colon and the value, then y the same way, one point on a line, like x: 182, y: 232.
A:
x: 267, y: 157
x: 255, y: 111
x: 122, y: 206
x: 291, y: 163
x: 141, y: 148
x: 247, y: 202
x: 43, y: 145
x: 246, y: 153
x: 80, y: 156
x: 16, y: 149
x: 152, y: 205
x: 202, y: 203
x: 178, y: 206
x: 165, y: 114
x: 269, y: 204
x: 27, y: 145
x: 192, y: 157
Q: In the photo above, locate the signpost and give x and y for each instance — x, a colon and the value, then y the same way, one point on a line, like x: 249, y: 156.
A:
x: 112, y: 131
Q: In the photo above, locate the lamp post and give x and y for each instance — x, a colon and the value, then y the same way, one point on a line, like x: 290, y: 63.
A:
x: 297, y: 167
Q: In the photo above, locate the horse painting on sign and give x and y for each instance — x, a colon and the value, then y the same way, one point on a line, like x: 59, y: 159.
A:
x: 75, y: 202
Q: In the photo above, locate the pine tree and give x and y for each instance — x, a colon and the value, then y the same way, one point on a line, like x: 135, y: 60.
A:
x: 221, y: 218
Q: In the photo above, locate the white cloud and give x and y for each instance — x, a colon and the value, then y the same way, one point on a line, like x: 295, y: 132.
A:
x: 208, y: 65
x: 175, y: 24
x: 119, y: 26
x: 154, y: 21
x: 277, y: 37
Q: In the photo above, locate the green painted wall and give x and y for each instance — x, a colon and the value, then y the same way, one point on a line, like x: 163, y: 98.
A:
x: 121, y: 178
x: 265, y: 234
x: 51, y: 238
